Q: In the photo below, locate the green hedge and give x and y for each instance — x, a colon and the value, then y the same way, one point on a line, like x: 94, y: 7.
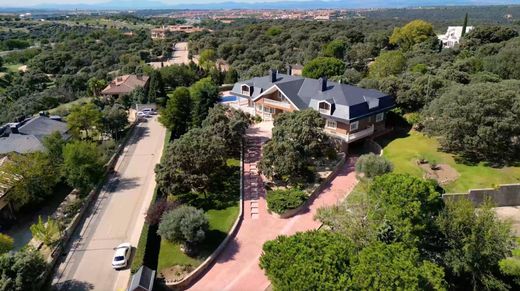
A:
x: 279, y: 201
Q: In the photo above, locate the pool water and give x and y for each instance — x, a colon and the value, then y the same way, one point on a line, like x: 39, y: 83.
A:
x: 228, y: 99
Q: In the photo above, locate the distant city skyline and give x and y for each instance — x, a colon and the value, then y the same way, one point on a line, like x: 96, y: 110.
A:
x: 153, y: 4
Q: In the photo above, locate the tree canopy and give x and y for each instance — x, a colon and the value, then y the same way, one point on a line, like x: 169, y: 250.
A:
x: 82, y: 165
x: 176, y: 116
x: 478, y: 121
x: 387, y: 64
x: 204, y: 94
x: 324, y: 67
x: 297, y: 140
x: 412, y: 33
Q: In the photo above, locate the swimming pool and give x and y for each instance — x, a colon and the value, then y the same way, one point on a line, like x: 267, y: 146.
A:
x: 229, y: 98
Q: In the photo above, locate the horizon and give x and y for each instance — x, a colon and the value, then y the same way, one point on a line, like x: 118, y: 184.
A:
x: 235, y: 4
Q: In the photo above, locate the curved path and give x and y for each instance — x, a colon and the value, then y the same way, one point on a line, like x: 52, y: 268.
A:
x: 237, y: 266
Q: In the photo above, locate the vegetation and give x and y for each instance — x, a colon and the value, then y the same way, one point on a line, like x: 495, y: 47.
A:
x: 399, y: 235
x: 468, y: 117
x: 47, y: 232
x: 21, y: 270
x: 176, y: 116
x: 157, y: 209
x: 473, y: 244
x: 186, y: 225
x: 388, y: 64
x: 403, y: 153
x: 32, y: 178
x: 371, y: 165
x: 323, y: 67
x: 412, y: 33
x: 83, y: 120
x: 298, y: 140
x: 280, y: 201
x: 204, y: 94
x: 82, y: 165
x: 6, y: 243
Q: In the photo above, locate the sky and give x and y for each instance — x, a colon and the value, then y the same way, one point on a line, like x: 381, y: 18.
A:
x: 35, y: 2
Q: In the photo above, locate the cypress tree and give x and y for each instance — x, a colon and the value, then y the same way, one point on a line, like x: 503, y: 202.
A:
x: 464, y: 25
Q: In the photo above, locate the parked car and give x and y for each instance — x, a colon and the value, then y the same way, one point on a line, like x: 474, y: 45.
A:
x: 149, y: 111
x: 121, y: 256
x: 141, y: 114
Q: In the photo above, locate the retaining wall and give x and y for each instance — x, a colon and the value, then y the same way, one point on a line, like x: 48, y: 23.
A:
x: 503, y: 195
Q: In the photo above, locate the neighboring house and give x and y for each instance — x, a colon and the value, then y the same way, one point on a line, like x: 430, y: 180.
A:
x: 351, y: 113
x: 452, y: 36
x: 27, y: 136
x: 295, y: 70
x: 124, y: 85
x: 161, y: 33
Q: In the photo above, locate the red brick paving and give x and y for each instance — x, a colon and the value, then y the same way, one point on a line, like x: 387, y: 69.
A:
x: 237, y: 266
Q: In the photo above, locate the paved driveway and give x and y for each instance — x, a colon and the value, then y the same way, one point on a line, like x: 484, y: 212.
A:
x: 117, y: 216
x: 237, y: 267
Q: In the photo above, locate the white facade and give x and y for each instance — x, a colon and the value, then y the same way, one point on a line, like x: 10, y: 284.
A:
x: 452, y: 36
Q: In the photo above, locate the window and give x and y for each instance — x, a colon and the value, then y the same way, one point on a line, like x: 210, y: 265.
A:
x: 246, y: 90
x: 380, y: 117
x: 324, y: 107
x: 354, y: 126
x: 373, y: 103
x: 331, y: 124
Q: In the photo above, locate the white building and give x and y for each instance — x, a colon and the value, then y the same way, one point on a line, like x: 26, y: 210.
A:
x: 452, y: 36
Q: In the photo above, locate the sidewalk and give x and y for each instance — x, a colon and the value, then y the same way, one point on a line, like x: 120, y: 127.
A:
x: 237, y: 266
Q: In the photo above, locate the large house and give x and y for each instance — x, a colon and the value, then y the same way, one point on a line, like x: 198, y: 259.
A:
x: 124, y: 85
x: 351, y: 113
x: 162, y: 32
x: 27, y: 136
x: 452, y: 36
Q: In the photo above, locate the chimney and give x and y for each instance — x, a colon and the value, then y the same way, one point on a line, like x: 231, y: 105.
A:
x: 289, y: 70
x: 323, y: 83
x: 273, y: 75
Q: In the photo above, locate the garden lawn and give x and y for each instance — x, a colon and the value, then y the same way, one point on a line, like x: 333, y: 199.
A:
x: 220, y: 222
x: 221, y: 208
x: 65, y: 107
x: 403, y: 152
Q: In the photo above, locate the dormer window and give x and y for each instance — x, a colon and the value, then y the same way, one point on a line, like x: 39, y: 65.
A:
x: 372, y: 102
x: 324, y: 107
x: 246, y: 90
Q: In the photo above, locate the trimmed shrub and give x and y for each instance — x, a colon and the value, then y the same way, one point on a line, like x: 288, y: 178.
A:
x: 186, y: 225
x: 372, y: 165
x: 279, y: 201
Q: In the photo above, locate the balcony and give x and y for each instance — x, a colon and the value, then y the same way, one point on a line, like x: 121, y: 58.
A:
x: 277, y: 103
x: 351, y: 137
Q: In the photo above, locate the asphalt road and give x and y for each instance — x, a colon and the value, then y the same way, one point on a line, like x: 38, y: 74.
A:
x: 116, y: 217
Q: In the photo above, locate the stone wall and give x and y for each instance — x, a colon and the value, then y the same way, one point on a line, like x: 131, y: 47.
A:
x: 502, y: 195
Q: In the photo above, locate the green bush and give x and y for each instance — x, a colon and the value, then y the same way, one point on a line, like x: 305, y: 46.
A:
x: 372, y: 165
x: 186, y: 225
x: 279, y: 201
x: 6, y: 243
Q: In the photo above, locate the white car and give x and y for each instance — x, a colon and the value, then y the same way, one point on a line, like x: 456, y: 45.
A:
x: 122, y: 255
x: 149, y: 111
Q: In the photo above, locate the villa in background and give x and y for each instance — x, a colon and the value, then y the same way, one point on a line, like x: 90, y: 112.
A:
x: 351, y: 113
x: 124, y: 85
x: 452, y: 36
x: 162, y: 32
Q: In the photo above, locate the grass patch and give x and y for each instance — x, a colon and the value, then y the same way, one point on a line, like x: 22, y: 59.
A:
x: 221, y: 208
x: 65, y: 107
x: 404, y: 151
x: 13, y: 67
x: 220, y: 222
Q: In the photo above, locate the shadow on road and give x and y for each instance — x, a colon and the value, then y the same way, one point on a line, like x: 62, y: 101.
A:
x: 73, y: 285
